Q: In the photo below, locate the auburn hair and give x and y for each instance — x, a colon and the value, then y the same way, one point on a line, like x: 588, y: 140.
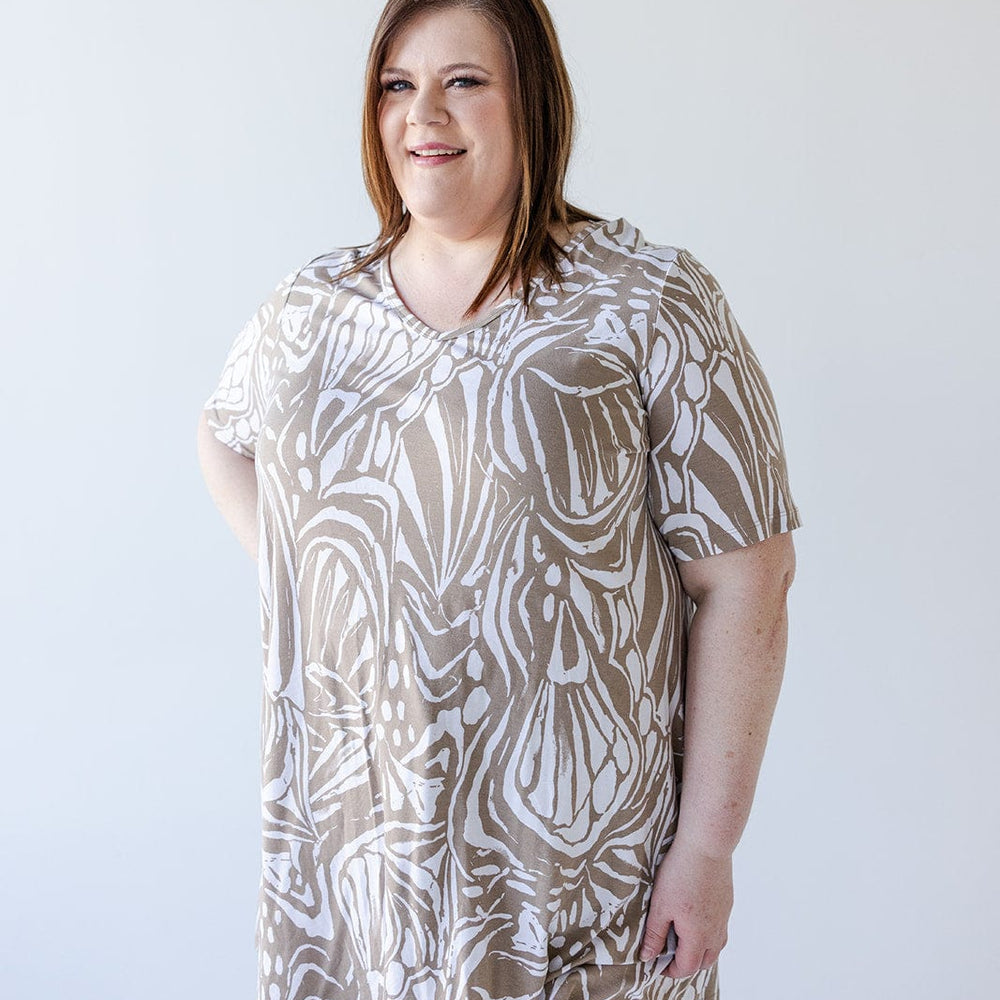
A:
x: 543, y: 123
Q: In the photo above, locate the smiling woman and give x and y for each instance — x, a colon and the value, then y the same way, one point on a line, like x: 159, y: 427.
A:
x: 506, y: 59
x: 448, y: 135
x: 515, y: 483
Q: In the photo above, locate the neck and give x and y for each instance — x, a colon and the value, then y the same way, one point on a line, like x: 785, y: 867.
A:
x: 439, y: 254
x: 446, y: 243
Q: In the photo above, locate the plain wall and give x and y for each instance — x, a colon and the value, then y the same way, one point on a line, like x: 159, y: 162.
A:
x: 835, y: 165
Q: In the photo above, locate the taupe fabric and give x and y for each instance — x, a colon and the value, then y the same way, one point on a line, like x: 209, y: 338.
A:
x: 473, y: 625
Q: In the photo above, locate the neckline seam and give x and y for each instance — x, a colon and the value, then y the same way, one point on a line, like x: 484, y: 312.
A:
x: 410, y: 319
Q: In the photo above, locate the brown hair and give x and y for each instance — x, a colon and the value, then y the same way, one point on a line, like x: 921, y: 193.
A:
x: 543, y: 131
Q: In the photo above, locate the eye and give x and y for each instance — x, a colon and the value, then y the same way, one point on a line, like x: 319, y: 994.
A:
x: 395, y: 86
x: 464, y: 82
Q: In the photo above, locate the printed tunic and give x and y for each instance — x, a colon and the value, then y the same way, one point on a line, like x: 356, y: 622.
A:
x: 473, y: 625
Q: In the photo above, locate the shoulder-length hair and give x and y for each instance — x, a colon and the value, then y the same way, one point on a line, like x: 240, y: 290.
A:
x: 543, y: 124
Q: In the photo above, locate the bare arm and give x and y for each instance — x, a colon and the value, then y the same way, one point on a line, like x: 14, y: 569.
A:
x: 232, y: 483
x: 735, y: 662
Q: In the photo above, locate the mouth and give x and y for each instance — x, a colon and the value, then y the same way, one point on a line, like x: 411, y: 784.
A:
x: 433, y: 151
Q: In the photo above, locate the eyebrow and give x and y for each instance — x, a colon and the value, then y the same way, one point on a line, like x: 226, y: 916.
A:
x: 445, y: 70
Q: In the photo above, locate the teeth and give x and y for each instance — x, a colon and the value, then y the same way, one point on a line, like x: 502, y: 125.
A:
x: 437, y: 152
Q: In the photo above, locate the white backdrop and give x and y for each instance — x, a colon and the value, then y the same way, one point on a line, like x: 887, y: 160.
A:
x: 835, y: 165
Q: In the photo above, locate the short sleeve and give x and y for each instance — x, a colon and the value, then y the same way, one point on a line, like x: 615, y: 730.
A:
x: 236, y: 408
x: 717, y: 472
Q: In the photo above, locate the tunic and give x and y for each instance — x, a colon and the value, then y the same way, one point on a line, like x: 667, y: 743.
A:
x: 472, y: 620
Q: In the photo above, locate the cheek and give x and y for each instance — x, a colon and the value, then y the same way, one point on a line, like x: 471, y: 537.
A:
x: 505, y: 131
x: 507, y: 144
x: 387, y: 129
x: 495, y: 122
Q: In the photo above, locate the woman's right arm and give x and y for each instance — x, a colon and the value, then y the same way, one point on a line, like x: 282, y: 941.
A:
x: 232, y: 483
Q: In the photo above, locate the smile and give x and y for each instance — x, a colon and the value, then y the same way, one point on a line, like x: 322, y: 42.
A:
x: 430, y: 153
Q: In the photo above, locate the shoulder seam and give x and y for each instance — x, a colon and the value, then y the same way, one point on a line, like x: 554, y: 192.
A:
x: 343, y: 255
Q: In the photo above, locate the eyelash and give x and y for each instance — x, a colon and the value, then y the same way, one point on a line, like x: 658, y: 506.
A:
x: 389, y: 86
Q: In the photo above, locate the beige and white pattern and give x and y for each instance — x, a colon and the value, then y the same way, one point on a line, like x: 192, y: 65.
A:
x: 473, y: 626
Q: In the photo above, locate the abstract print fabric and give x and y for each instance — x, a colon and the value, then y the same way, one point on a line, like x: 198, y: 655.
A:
x: 472, y: 620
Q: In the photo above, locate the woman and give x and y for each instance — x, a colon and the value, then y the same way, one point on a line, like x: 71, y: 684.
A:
x: 490, y: 466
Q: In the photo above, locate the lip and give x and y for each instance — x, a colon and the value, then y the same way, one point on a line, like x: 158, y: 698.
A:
x: 425, y: 147
x: 425, y: 162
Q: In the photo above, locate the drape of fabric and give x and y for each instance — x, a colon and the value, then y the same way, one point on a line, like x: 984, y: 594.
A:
x: 473, y: 626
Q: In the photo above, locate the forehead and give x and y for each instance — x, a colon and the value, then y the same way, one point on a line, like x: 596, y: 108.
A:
x: 453, y: 35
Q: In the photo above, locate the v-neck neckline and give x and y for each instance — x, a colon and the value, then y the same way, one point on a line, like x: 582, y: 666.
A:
x: 417, y: 325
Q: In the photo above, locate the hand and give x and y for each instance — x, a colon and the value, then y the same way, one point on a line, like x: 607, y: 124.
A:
x: 694, y: 892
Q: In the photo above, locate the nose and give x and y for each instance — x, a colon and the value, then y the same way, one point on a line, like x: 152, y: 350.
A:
x: 427, y: 108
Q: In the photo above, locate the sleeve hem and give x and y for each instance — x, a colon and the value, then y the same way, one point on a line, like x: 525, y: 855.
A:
x: 222, y: 434
x: 784, y: 521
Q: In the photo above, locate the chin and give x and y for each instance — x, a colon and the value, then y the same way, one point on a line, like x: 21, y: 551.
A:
x: 441, y: 213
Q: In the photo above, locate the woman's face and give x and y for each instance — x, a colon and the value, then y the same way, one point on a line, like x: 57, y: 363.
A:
x: 445, y: 119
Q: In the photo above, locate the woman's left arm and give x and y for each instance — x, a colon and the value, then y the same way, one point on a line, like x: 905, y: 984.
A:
x: 735, y: 662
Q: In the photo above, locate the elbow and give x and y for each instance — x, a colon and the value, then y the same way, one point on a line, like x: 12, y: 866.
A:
x: 773, y: 575
x: 788, y: 574
x: 787, y: 569
x: 781, y: 571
